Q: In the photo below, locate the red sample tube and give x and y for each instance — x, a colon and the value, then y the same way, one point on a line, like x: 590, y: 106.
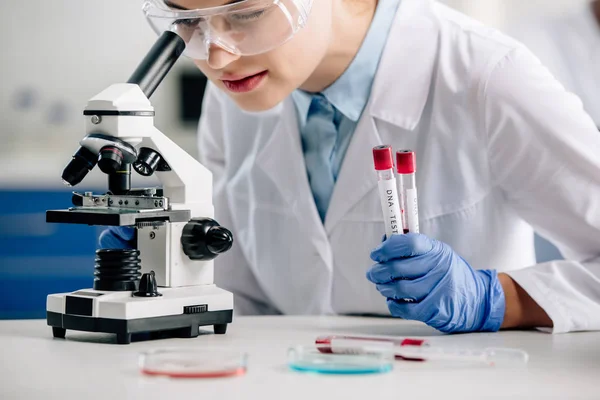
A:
x: 406, y: 165
x: 383, y: 159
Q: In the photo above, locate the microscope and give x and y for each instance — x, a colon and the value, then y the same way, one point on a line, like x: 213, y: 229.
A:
x: 164, y: 287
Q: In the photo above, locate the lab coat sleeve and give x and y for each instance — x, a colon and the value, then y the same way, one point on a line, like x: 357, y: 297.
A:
x: 544, y: 39
x: 232, y: 271
x: 544, y: 154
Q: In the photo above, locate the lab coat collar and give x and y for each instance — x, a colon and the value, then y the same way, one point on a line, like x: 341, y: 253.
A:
x: 399, y: 96
x: 357, y: 175
x: 409, y: 60
x: 402, y: 84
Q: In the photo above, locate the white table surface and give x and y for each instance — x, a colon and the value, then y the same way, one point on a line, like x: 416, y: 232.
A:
x: 87, y: 366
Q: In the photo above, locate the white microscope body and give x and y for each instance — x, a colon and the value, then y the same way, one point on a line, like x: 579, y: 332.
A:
x: 177, y: 238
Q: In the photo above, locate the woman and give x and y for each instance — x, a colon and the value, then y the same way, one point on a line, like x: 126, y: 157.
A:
x: 289, y: 121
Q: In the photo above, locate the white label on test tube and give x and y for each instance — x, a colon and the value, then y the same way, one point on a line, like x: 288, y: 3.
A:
x: 390, y: 206
x: 412, y: 210
x: 358, y: 346
x: 388, y: 190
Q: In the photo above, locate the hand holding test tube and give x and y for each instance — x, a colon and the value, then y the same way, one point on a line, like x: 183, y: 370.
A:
x: 394, y: 206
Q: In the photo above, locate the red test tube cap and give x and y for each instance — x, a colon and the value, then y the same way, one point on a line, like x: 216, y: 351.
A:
x: 383, y: 157
x: 406, y: 162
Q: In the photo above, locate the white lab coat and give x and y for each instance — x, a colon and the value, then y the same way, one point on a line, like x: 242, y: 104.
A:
x: 569, y: 45
x: 501, y: 149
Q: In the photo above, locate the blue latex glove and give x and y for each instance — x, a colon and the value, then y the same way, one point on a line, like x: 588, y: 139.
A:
x: 117, y: 237
x: 441, y: 288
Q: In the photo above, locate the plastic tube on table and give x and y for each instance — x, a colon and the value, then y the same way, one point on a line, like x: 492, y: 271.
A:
x: 422, y: 350
x: 488, y: 356
x: 336, y: 344
x: 406, y: 165
x: 388, y: 190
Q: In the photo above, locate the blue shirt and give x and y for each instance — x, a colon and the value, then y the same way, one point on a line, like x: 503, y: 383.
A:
x: 350, y: 93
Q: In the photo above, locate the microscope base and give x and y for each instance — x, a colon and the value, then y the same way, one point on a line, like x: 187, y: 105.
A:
x: 150, y: 328
x: 122, y: 314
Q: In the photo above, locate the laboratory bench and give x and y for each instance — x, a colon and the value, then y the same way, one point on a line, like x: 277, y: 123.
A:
x: 92, y: 366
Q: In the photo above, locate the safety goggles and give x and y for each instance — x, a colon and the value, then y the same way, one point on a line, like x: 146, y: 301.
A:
x: 244, y: 28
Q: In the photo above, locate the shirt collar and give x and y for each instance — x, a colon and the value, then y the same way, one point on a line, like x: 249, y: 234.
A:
x: 350, y: 93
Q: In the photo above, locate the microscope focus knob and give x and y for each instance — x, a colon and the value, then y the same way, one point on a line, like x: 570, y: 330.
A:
x: 204, y: 239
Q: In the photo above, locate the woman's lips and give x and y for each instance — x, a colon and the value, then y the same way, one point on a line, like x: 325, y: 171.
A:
x: 246, y: 84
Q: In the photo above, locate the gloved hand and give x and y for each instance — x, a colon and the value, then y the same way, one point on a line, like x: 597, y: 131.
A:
x: 117, y: 237
x: 442, y: 288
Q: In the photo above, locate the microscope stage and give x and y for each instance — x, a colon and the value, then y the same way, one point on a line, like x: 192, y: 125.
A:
x: 179, y: 310
x: 114, y: 217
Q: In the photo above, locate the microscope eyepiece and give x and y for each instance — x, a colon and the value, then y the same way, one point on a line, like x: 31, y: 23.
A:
x: 83, y: 161
x: 147, y: 161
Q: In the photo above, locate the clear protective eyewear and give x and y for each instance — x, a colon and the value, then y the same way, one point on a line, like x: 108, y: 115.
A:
x: 245, y: 28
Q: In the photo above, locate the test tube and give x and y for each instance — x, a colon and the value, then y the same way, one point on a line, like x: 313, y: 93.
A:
x: 412, y: 349
x: 406, y: 165
x: 340, y: 343
x: 488, y: 356
x: 388, y: 190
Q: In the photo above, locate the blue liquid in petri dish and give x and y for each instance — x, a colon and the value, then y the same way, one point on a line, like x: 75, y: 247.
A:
x: 334, y: 369
x: 303, y: 359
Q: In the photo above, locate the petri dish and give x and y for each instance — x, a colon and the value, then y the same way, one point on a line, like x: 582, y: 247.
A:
x: 352, y: 360
x: 193, y: 363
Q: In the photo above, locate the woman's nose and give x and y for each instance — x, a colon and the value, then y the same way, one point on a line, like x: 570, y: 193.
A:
x: 219, y: 58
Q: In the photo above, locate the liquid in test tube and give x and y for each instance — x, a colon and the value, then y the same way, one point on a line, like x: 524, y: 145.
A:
x: 406, y: 165
x: 388, y: 190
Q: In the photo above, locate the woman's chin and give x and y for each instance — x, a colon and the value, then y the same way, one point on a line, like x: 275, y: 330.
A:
x: 257, y: 103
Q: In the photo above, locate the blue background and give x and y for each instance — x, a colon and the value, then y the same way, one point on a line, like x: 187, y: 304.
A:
x: 38, y: 258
